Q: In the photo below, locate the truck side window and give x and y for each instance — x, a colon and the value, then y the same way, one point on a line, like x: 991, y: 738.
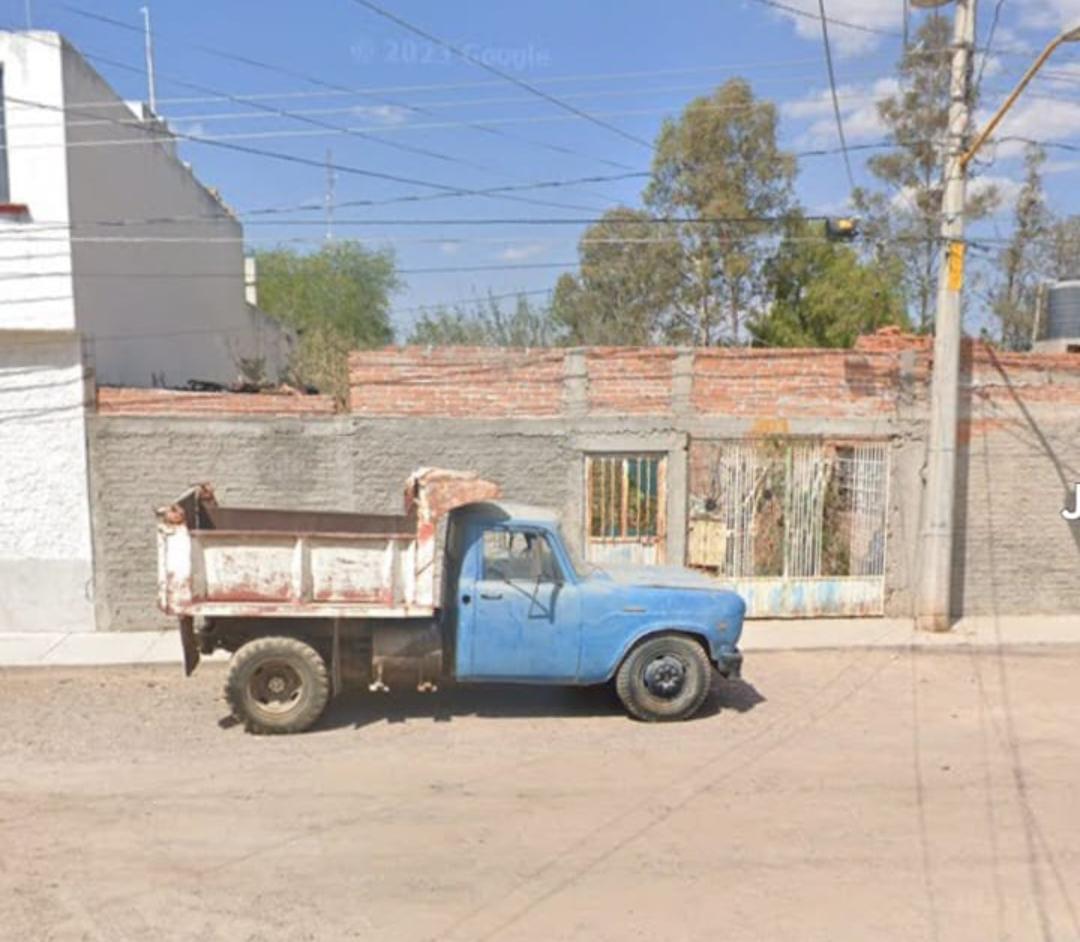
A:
x: 518, y: 554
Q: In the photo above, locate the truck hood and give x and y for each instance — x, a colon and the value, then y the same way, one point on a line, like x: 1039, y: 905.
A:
x: 659, y: 577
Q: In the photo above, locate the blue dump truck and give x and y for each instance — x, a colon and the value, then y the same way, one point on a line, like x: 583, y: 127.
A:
x: 461, y: 586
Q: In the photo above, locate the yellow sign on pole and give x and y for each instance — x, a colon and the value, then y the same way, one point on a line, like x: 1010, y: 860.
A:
x: 956, y: 266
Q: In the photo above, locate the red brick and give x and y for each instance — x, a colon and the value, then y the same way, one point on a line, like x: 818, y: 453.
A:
x: 112, y: 400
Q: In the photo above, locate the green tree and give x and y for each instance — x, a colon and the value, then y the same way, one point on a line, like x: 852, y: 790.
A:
x: 626, y: 284
x: 1027, y: 260
x: 719, y: 161
x: 904, y: 219
x: 337, y: 299
x: 527, y: 325
x: 687, y: 268
x: 1064, y: 248
x: 824, y: 295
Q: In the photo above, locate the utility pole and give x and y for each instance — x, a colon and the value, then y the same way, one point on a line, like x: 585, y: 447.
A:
x: 937, y: 525
x: 148, y: 43
x: 328, y: 200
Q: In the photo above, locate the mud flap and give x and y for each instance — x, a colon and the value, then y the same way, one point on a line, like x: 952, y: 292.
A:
x: 189, y: 644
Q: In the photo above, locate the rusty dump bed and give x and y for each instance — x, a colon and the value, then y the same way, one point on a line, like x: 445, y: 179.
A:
x: 247, y: 562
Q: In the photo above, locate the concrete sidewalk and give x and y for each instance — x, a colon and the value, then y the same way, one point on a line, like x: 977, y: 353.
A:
x: 163, y: 647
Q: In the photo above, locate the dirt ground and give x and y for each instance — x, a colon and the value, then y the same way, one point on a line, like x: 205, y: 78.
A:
x: 831, y: 796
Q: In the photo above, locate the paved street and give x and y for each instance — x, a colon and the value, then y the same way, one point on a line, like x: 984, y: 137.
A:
x: 862, y: 794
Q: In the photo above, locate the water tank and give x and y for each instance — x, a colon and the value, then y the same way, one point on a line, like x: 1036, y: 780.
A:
x: 1063, y: 311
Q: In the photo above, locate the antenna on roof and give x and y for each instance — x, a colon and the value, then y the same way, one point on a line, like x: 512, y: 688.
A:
x: 149, y: 43
x: 328, y: 200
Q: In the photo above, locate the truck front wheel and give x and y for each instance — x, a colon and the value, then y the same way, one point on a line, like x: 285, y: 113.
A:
x: 665, y: 678
x: 277, y: 685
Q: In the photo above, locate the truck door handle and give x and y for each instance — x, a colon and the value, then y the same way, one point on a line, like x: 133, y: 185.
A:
x: 491, y: 595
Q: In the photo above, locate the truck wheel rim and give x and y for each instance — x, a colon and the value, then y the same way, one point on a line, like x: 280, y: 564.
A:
x: 665, y: 676
x: 275, y: 686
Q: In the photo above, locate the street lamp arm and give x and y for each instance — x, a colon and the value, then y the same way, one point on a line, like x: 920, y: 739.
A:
x: 1070, y: 35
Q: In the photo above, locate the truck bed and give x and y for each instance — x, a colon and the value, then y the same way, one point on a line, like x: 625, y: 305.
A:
x: 220, y: 561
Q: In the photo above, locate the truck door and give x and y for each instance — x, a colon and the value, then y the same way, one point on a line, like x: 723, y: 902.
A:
x: 526, y: 614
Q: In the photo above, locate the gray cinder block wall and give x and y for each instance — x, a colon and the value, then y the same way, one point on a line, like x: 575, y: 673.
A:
x: 1019, y: 457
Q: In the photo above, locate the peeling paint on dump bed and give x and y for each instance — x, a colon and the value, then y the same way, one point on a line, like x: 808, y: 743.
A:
x: 295, y: 563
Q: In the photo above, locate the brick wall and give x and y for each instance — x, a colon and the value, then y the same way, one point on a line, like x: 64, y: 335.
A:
x: 792, y: 383
x: 457, y: 382
x: 629, y: 380
x: 113, y: 400
x: 483, y: 382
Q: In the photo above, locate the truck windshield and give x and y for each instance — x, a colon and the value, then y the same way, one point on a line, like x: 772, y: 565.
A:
x: 579, y: 565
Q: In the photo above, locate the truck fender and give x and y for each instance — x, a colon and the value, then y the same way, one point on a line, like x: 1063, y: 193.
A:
x: 693, y: 632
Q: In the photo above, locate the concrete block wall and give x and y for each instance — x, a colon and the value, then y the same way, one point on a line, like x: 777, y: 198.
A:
x: 527, y: 418
x: 310, y: 462
x: 1018, y: 467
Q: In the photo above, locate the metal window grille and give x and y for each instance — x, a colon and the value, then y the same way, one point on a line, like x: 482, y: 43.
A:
x: 625, y: 496
x: 791, y: 509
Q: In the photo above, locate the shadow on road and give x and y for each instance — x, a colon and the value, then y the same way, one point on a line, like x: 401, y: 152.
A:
x: 508, y: 701
x: 504, y: 701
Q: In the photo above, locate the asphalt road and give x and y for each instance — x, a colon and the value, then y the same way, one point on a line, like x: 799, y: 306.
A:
x: 831, y: 796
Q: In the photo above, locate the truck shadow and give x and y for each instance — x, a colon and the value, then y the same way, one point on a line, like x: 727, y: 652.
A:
x: 509, y: 701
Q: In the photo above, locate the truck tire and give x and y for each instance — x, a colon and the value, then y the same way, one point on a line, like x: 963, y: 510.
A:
x: 277, y: 685
x: 663, y: 679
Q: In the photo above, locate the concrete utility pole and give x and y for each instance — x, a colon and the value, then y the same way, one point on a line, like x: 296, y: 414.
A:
x: 148, y: 43
x: 936, y: 535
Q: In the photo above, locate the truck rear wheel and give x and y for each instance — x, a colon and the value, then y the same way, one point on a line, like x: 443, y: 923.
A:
x: 665, y: 678
x: 277, y: 685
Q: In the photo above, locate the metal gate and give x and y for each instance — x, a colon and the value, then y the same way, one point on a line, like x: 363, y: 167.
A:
x: 796, y: 527
x: 626, y: 508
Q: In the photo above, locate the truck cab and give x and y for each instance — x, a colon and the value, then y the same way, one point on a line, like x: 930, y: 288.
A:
x: 524, y: 608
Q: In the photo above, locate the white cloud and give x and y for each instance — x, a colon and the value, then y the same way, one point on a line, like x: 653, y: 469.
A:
x: 1033, y: 118
x: 1007, y: 190
x: 875, y: 15
x: 858, y: 109
x: 192, y: 128
x: 1060, y: 166
x: 449, y: 248
x: 519, y: 253
x: 1049, y: 14
x: 386, y: 114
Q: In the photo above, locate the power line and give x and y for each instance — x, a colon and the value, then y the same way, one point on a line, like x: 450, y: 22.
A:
x: 636, y: 91
x: 989, y: 45
x: 456, y: 86
x: 806, y: 14
x: 445, y: 190
x: 396, y: 178
x: 832, y: 88
x: 332, y: 86
x: 505, y: 76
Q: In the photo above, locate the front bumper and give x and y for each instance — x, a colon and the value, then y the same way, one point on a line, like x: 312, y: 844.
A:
x: 729, y: 664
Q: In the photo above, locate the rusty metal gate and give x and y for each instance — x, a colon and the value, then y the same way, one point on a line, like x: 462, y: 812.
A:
x: 625, y: 508
x: 796, y: 527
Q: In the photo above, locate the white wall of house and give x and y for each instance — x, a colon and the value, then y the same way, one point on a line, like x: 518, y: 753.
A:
x: 143, y: 303
x: 162, y: 300
x: 35, y: 253
x: 46, y: 570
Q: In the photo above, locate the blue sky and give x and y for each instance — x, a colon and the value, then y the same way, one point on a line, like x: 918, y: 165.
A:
x: 629, y: 63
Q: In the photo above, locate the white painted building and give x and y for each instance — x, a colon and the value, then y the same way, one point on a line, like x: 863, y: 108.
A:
x: 116, y: 264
